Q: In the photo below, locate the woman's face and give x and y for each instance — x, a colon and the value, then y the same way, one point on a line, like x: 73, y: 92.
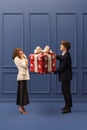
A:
x: 20, y: 53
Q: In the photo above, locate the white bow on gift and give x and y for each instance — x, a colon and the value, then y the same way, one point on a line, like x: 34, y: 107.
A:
x: 46, y: 50
x: 38, y: 49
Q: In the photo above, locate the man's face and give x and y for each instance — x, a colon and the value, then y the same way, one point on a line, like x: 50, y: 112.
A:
x: 62, y: 48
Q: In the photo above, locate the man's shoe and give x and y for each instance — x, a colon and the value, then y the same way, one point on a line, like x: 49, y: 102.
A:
x: 66, y: 111
x: 63, y: 108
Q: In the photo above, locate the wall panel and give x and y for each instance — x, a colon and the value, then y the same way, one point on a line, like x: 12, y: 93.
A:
x: 9, y: 83
x: 28, y: 24
x: 39, y: 30
x: 66, y: 29
x: 12, y: 28
x: 84, y: 40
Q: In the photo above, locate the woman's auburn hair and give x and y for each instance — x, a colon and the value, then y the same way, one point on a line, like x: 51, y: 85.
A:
x: 16, y: 53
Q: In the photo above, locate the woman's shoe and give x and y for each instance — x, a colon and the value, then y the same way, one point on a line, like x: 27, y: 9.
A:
x: 23, y: 111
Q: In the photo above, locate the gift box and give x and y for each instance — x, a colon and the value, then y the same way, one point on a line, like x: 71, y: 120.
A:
x: 42, y: 62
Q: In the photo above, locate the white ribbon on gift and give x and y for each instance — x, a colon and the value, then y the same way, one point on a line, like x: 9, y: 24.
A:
x: 36, y: 63
x: 49, y: 63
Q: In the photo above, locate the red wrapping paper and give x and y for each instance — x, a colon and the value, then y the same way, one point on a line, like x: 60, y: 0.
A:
x: 42, y: 62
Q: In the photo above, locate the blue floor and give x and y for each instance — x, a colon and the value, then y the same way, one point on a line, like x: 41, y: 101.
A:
x: 43, y: 116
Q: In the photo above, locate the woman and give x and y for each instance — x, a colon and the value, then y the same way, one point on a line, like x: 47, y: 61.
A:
x: 21, y: 63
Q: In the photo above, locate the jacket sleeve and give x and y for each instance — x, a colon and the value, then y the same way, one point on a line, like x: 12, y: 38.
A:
x: 63, y: 65
x: 58, y: 57
x: 20, y: 63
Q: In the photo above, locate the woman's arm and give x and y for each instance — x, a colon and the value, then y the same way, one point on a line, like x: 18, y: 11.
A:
x: 20, y: 63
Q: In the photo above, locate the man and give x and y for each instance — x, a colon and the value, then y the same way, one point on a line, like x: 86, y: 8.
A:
x: 65, y: 74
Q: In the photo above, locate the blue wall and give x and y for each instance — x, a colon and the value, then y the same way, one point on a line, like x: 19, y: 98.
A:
x: 29, y: 23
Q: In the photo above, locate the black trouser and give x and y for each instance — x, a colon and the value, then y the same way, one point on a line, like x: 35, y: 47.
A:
x: 22, y: 94
x: 67, y: 93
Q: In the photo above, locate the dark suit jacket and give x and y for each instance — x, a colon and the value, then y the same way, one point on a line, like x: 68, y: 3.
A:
x: 65, y: 67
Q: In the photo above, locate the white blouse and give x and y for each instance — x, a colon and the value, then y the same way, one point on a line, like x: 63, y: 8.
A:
x: 23, y: 73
